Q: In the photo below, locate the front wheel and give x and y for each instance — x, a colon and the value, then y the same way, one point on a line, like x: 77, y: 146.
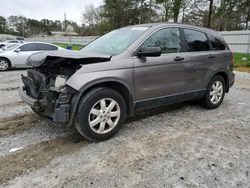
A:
x: 215, y: 93
x: 4, y: 64
x: 100, y: 115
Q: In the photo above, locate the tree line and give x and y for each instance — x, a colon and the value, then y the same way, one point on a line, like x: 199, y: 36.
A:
x: 216, y: 14
x: 26, y: 27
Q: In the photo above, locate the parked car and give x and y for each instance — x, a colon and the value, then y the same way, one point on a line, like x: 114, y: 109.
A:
x: 22, y: 39
x: 128, y: 69
x: 16, y: 55
x: 9, y: 42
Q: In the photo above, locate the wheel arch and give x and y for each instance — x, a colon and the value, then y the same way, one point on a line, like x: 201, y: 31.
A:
x: 224, y: 75
x: 116, y: 85
x: 7, y: 60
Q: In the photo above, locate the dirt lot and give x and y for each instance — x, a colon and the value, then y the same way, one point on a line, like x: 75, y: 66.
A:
x: 178, y: 146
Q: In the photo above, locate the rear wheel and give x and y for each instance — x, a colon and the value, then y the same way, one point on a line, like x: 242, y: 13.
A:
x: 215, y: 93
x: 4, y: 64
x: 100, y: 114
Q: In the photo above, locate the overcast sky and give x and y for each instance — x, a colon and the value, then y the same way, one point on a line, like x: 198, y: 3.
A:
x: 49, y: 9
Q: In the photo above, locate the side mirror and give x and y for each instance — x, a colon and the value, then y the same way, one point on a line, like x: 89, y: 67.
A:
x: 149, y: 52
x: 18, y: 50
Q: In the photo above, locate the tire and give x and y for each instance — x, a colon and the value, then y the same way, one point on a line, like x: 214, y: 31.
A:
x: 215, y: 93
x: 4, y: 64
x: 38, y: 113
x: 96, y: 110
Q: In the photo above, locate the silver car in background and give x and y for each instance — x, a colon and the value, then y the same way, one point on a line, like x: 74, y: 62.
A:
x: 16, y: 55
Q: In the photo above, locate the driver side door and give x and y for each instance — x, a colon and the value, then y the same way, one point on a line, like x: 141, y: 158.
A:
x: 158, y: 79
x: 25, y: 51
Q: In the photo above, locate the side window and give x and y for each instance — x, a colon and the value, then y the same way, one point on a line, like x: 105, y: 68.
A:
x: 12, y: 41
x: 46, y: 47
x: 216, y: 44
x: 196, y: 41
x: 168, y: 40
x: 28, y: 47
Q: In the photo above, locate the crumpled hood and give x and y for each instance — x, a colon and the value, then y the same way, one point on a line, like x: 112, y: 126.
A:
x: 56, y: 58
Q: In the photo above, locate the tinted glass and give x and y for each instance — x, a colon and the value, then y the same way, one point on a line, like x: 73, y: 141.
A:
x: 29, y: 47
x: 46, y: 47
x: 216, y: 44
x: 116, y: 41
x: 12, y: 41
x: 167, y: 39
x: 11, y: 47
x: 196, y: 41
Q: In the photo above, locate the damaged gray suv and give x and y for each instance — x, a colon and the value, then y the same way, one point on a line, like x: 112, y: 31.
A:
x: 128, y: 69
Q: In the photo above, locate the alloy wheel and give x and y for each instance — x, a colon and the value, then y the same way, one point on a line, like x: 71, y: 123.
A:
x: 3, y: 64
x: 216, y: 92
x: 104, y: 116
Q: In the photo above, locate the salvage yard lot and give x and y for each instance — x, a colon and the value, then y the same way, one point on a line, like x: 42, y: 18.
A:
x: 182, y: 145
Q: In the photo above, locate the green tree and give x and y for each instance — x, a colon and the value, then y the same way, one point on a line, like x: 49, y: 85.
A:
x: 3, y: 25
x: 176, y: 9
x: 166, y: 5
x: 121, y: 12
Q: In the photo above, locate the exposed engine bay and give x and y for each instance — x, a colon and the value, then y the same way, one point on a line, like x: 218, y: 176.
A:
x: 45, y: 88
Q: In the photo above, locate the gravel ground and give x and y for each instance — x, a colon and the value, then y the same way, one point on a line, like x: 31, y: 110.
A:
x: 179, y: 146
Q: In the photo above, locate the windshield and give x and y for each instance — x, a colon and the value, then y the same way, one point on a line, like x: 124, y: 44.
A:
x: 11, y: 47
x: 116, y: 41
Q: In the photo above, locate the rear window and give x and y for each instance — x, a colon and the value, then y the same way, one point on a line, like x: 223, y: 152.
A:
x: 46, y: 47
x: 216, y: 44
x: 196, y: 41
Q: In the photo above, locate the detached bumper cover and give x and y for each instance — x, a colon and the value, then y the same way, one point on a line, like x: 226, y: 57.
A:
x: 61, y: 113
x: 34, y: 103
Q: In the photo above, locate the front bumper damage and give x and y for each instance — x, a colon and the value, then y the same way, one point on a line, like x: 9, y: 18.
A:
x: 47, y: 101
x: 34, y: 103
x: 61, y: 112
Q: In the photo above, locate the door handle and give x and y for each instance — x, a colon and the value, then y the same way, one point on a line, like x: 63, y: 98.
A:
x: 210, y: 56
x: 178, y: 58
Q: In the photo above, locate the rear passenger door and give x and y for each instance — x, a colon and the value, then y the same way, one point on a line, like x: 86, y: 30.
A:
x: 220, y: 51
x: 199, y: 60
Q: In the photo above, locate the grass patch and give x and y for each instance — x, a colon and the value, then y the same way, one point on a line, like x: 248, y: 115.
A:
x: 239, y: 60
x: 242, y: 62
x: 74, y: 46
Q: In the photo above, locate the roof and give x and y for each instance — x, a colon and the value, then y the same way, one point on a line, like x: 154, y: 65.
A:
x: 162, y: 24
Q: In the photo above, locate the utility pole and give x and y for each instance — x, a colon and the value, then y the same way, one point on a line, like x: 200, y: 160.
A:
x: 150, y: 10
x: 65, y: 23
x: 141, y: 6
x: 210, y: 13
x: 22, y: 29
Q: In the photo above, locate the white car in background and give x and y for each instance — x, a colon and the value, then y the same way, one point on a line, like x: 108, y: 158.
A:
x: 7, y: 43
x: 16, y: 55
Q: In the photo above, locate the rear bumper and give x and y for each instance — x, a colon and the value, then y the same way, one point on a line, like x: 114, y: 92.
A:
x: 231, y: 79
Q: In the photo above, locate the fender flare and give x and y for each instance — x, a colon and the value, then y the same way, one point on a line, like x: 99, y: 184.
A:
x: 85, y: 88
x: 218, y: 72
